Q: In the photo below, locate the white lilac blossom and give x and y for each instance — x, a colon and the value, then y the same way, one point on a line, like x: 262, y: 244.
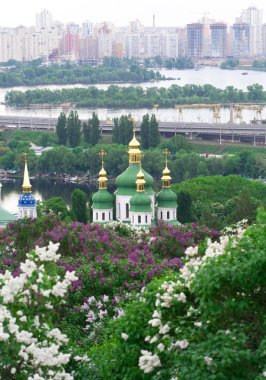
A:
x: 148, y: 362
x: 24, y: 324
x: 208, y: 360
x: 124, y: 336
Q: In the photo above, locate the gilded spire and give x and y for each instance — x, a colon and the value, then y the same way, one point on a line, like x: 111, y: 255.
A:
x: 140, y: 179
x: 102, y: 173
x: 166, y: 179
x: 134, y: 150
x: 26, y: 180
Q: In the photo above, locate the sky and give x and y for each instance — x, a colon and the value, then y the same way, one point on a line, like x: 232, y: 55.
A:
x: 120, y: 12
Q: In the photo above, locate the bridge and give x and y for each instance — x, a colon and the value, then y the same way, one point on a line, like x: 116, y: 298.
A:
x: 252, y: 133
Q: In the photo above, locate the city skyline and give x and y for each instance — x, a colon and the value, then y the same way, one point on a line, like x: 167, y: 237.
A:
x: 169, y: 13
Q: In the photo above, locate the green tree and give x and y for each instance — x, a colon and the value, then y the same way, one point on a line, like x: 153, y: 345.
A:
x: 95, y: 129
x: 55, y: 205
x: 144, y: 131
x: 184, y: 207
x: 61, y: 129
x: 154, y: 134
x: 79, y: 205
x: 73, y: 129
x: 86, y: 129
x: 122, y: 132
x: 255, y: 92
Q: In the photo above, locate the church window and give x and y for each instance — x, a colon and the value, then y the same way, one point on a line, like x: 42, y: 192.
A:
x: 103, y: 216
x: 168, y: 215
x: 127, y: 210
x: 139, y: 219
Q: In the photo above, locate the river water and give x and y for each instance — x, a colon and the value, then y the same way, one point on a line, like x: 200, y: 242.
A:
x: 42, y: 190
x: 211, y: 75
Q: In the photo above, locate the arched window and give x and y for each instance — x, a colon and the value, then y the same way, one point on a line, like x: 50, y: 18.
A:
x: 127, y: 210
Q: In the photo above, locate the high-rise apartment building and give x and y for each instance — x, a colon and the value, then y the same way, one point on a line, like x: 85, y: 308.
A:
x: 253, y: 17
x: 169, y: 45
x: 195, y: 40
x: 43, y: 19
x: 218, y: 40
x: 264, y: 40
x: 105, y: 35
x: 241, y: 40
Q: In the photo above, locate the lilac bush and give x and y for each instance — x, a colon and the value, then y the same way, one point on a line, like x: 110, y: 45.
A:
x: 31, y: 345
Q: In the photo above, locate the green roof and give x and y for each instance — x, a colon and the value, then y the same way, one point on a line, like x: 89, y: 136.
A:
x: 102, y: 200
x: 126, y: 182
x: 140, y: 202
x: 167, y: 198
x: 6, y: 217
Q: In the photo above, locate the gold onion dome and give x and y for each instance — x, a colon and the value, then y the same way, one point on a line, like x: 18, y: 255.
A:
x: 140, y: 202
x: 166, y: 178
x: 26, y: 179
x: 140, y: 182
x: 126, y: 181
x: 102, y: 200
x: 102, y: 173
x: 166, y: 198
x: 26, y: 199
x: 134, y: 149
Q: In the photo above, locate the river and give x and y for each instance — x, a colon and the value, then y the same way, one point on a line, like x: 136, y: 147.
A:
x: 41, y: 189
x: 211, y: 75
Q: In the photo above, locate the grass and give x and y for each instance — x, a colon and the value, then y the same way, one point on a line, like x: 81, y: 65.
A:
x: 215, y: 148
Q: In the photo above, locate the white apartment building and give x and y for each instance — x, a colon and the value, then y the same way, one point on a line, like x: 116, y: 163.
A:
x: 105, y: 35
x: 253, y: 17
x: 135, y: 45
x: 169, y: 45
x: 264, y: 40
x: 26, y: 44
x: 148, y: 45
x: 44, y: 20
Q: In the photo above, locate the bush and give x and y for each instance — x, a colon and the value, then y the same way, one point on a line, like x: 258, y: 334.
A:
x: 205, y: 322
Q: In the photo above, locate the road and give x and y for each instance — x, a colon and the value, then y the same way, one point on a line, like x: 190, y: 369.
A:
x: 222, y: 131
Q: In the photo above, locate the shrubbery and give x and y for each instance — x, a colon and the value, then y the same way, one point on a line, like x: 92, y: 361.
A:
x: 163, y: 304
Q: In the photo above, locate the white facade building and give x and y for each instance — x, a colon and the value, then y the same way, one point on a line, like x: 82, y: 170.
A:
x: 253, y: 17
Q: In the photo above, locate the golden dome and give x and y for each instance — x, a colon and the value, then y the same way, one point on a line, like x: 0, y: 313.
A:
x: 134, y: 151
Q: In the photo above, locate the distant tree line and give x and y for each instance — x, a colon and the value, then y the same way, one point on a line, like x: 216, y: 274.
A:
x: 138, y: 97
x: 112, y: 70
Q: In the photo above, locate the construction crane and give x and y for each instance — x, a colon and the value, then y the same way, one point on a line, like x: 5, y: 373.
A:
x: 237, y: 111
x: 216, y: 109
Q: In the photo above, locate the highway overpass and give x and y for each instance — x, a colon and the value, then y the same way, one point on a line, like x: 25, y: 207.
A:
x: 252, y: 133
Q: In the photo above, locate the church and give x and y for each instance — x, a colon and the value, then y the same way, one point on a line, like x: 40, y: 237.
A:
x: 135, y: 200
